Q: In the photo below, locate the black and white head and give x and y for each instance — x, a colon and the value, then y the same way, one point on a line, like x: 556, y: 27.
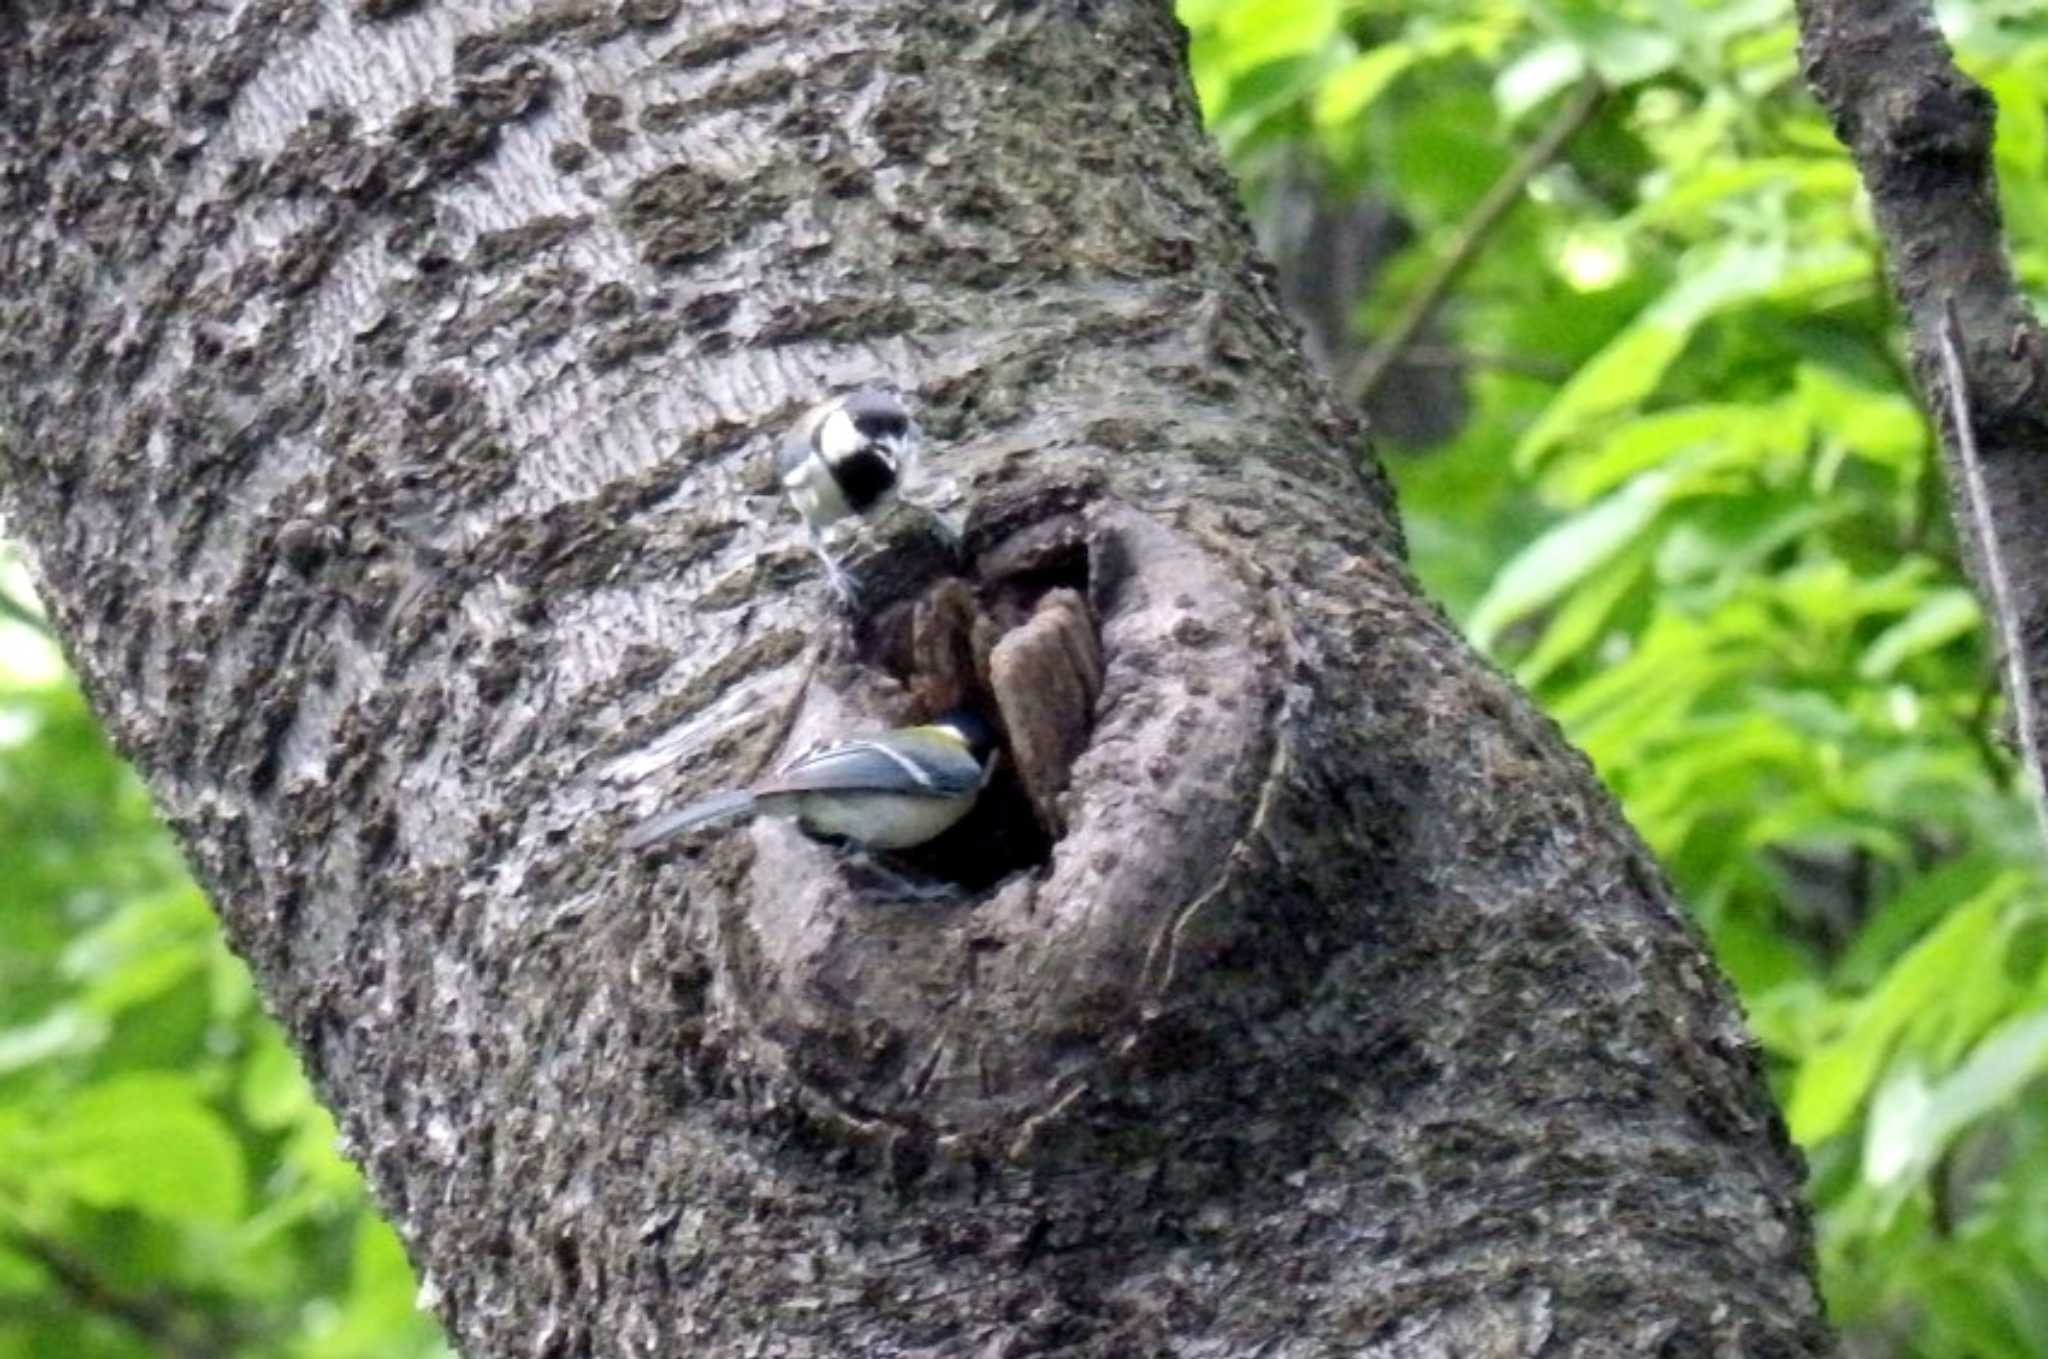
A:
x: 849, y: 455
x: 870, y: 442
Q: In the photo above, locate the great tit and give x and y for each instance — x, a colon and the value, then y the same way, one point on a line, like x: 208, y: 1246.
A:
x: 893, y: 790
x: 848, y: 456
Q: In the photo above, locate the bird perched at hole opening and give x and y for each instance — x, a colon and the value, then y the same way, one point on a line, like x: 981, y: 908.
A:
x: 849, y: 455
x: 894, y: 790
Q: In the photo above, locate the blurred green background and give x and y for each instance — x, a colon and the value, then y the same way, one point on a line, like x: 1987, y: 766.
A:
x: 1657, y: 450
x: 168, y: 1186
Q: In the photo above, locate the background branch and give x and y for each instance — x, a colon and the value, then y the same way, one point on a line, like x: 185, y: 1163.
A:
x: 174, y: 1328
x: 1920, y: 133
x: 1471, y: 234
x: 15, y: 611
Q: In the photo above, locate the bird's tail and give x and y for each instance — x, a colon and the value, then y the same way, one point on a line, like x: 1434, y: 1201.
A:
x: 662, y: 826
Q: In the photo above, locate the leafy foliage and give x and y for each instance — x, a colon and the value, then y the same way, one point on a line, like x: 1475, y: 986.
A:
x: 168, y: 1184
x: 1716, y: 549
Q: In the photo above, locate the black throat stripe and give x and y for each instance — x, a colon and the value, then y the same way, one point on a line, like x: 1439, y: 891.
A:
x: 865, y: 477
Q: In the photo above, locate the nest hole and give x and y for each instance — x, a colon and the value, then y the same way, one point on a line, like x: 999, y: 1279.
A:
x: 1001, y: 836
x: 1004, y: 631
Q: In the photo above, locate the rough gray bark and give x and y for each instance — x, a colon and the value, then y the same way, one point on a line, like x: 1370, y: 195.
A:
x: 1920, y: 133
x: 387, y: 386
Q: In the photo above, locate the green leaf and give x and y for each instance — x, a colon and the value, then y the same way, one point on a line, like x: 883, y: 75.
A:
x: 1536, y: 76
x: 148, y: 1142
x: 1635, y: 706
x: 2021, y: 146
x: 313, y: 1152
x: 149, y: 946
x: 1828, y: 595
x: 1625, y: 371
x: 1578, y: 622
x: 380, y: 1315
x: 1631, y: 365
x: 1200, y: 14
x: 1935, y: 621
x: 1729, y: 763
x: 1208, y: 60
x: 1262, y: 104
x: 1256, y: 32
x: 1567, y: 553
x: 1358, y: 82
x: 1908, y: 913
x: 1622, y: 52
x: 1651, y: 441
x: 1911, y: 1127
x: 1896, y: 1139
x: 1758, y: 959
x: 65, y: 1032
x: 1833, y: 1082
x: 1727, y: 541
x: 1877, y: 426
x: 1725, y: 19
x: 1829, y: 1088
x: 1696, y: 190
x: 274, y: 1093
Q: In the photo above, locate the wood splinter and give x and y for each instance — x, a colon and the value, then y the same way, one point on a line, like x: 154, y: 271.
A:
x: 1042, y: 677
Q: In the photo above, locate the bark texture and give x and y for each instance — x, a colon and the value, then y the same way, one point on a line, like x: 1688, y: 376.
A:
x: 390, y: 390
x: 1920, y: 131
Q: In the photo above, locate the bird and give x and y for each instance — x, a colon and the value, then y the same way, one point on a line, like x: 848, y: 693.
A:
x: 896, y: 789
x: 848, y: 456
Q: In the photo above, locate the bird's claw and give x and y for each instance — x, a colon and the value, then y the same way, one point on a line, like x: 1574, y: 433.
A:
x: 842, y: 585
x: 890, y: 885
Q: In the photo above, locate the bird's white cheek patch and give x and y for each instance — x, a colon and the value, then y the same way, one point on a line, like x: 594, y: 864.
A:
x: 838, y: 436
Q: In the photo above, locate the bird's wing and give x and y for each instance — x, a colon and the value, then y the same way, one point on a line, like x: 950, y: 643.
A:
x: 874, y: 767
x: 665, y: 824
x: 794, y: 449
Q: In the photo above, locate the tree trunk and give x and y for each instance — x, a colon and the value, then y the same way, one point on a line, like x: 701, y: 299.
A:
x: 1920, y: 132
x: 389, y: 403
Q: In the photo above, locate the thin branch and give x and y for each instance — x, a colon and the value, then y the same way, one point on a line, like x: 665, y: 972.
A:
x: 15, y: 611
x: 164, y: 1324
x: 1975, y: 729
x: 1451, y: 356
x: 1920, y: 131
x: 2005, y: 611
x: 1471, y: 234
